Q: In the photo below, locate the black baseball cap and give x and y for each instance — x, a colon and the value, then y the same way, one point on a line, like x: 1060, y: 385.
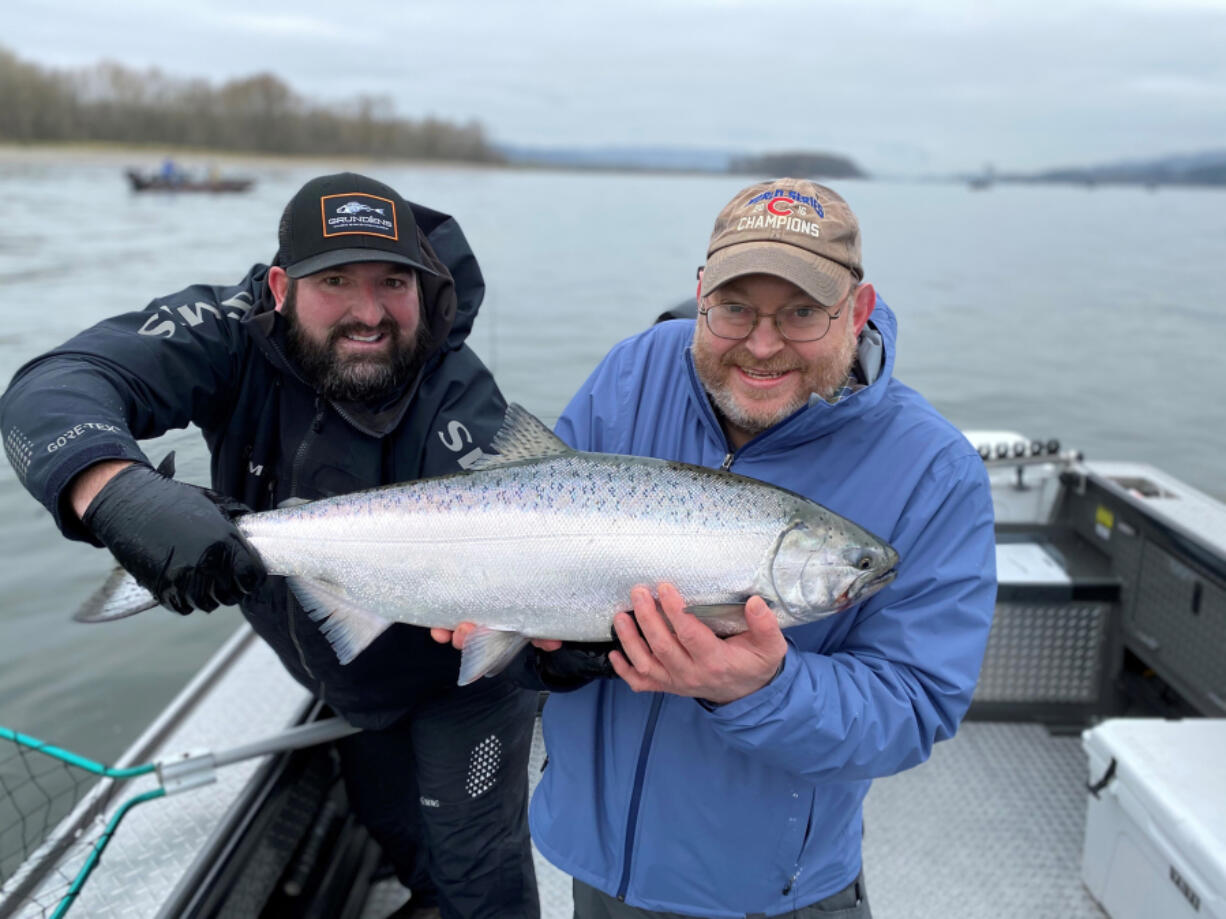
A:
x: 342, y: 218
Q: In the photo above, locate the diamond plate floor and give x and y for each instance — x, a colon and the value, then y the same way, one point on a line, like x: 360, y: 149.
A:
x: 992, y: 825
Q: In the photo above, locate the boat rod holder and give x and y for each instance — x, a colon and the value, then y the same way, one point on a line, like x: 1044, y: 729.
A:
x: 1065, y: 458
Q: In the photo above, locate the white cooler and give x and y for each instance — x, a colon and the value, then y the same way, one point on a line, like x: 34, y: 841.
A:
x: 1155, y: 845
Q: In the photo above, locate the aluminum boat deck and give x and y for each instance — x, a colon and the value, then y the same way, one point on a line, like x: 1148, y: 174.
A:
x: 1098, y: 566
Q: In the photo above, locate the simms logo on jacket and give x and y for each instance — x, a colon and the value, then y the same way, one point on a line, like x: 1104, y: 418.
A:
x: 368, y: 215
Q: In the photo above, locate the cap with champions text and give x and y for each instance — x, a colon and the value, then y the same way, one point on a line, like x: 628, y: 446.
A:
x: 342, y: 218
x: 790, y: 228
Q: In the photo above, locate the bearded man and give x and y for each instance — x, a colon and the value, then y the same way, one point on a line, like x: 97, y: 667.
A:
x: 693, y: 775
x: 339, y: 367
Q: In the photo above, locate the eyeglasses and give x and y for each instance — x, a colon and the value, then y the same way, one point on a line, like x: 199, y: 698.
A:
x: 736, y: 322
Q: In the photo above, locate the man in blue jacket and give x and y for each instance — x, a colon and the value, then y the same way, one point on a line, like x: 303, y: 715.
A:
x: 341, y: 366
x: 724, y: 777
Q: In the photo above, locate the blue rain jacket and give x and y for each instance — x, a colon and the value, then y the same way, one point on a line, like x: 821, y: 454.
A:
x: 755, y: 807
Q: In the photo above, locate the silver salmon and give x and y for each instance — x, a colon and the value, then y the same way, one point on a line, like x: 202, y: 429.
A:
x: 543, y: 541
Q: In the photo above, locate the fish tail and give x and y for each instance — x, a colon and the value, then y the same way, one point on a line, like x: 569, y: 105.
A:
x: 119, y: 597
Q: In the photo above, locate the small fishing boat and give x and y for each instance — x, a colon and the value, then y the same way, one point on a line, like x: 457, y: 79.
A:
x: 1111, y: 614
x: 142, y: 181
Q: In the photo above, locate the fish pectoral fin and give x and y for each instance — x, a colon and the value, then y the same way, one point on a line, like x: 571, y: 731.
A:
x: 486, y: 652
x: 349, y: 627
x: 118, y: 597
x: 722, y: 618
x: 522, y: 437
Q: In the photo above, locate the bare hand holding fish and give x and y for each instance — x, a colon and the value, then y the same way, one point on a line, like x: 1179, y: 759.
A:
x: 673, y: 651
x: 669, y: 650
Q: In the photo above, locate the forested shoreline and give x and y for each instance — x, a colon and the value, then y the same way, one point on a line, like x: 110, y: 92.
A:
x: 110, y: 103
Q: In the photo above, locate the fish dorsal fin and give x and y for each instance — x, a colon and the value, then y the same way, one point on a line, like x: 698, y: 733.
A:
x: 167, y: 466
x: 522, y: 436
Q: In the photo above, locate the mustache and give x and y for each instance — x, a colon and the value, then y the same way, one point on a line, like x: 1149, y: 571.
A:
x: 386, y: 327
x: 742, y: 359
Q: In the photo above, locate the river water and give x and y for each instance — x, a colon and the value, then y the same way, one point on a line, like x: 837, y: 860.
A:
x: 1095, y: 316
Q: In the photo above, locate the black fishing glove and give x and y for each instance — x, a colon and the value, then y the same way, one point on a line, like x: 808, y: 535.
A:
x: 178, y: 540
x: 573, y: 665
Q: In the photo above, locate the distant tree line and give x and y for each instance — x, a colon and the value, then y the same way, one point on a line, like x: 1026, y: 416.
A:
x: 259, y: 113
x: 799, y: 164
x: 1152, y: 174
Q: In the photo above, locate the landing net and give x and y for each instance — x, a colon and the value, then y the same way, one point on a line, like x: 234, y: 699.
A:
x: 52, y: 829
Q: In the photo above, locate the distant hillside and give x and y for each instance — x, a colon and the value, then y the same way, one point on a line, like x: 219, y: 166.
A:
x: 1205, y: 168
x: 258, y: 113
x: 683, y: 159
x: 801, y: 164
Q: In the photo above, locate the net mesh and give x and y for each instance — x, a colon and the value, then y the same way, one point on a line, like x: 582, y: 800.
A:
x: 41, y: 851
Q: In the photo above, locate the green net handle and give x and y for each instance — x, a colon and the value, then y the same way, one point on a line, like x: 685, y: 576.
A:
x: 73, y: 759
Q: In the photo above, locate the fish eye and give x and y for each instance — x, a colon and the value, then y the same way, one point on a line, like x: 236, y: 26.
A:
x: 865, y: 563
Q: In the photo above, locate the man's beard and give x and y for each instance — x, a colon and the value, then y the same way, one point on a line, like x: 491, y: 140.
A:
x: 826, y: 378
x: 355, y: 378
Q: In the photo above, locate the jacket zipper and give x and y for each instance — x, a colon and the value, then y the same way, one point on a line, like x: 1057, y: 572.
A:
x: 727, y: 463
x: 299, y: 455
x: 293, y: 636
x: 295, y: 468
x: 353, y: 422
x: 804, y: 841
x: 640, y: 771
x: 317, y: 424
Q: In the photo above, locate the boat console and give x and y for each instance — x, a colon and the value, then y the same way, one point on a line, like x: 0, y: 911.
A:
x: 1112, y: 589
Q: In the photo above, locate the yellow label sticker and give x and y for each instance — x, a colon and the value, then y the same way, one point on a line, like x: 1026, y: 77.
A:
x: 1104, y: 517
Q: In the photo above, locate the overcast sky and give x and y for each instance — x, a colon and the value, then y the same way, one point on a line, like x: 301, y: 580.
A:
x: 901, y: 87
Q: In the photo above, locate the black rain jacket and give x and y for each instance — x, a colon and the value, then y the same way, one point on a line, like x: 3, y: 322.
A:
x: 216, y: 357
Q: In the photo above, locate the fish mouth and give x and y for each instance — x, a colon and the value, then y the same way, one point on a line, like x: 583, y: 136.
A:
x: 865, y: 587
x: 873, y: 584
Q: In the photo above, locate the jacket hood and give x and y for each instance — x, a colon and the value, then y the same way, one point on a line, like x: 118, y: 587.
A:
x: 450, y: 301
x: 818, y: 417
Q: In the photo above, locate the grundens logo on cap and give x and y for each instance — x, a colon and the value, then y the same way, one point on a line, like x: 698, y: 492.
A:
x: 359, y: 214
x: 348, y: 217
